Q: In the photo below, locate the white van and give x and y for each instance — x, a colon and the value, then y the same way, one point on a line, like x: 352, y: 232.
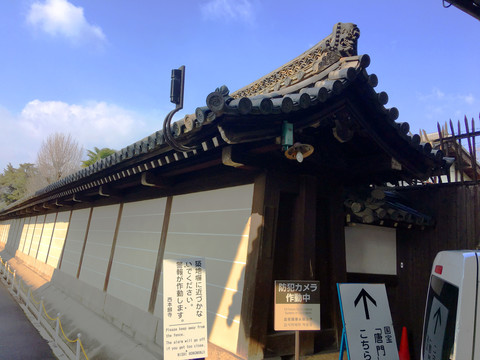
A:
x: 451, y: 312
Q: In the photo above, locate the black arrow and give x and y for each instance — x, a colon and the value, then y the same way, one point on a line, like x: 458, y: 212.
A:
x: 364, y: 295
x: 438, y: 320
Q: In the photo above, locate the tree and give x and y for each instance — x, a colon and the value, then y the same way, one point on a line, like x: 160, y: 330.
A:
x: 59, y: 155
x: 97, y: 154
x: 13, y: 182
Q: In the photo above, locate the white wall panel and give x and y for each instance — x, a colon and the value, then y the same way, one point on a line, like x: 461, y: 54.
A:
x: 136, y: 252
x: 99, y: 245
x: 58, y: 238
x: 14, y: 236
x: 371, y: 249
x: 4, y: 230
x: 27, y: 225
x: 46, y: 237
x: 214, y: 225
x: 37, y: 233
x: 74, y: 241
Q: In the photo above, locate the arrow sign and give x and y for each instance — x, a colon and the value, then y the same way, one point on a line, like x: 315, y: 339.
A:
x: 365, y: 296
x: 438, y: 320
x: 364, y: 325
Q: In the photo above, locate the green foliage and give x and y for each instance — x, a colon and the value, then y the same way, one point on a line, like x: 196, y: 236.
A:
x: 97, y: 154
x: 13, y: 182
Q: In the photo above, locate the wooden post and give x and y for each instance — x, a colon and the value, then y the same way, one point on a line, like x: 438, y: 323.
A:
x: 84, y: 242
x: 160, y: 253
x: 258, y: 273
x: 112, y: 250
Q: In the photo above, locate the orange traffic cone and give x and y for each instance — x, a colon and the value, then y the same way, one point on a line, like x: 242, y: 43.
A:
x: 404, y: 353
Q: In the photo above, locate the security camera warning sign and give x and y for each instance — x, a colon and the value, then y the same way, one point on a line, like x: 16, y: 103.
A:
x: 297, y: 305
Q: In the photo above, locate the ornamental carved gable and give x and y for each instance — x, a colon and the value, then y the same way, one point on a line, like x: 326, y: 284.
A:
x: 340, y: 43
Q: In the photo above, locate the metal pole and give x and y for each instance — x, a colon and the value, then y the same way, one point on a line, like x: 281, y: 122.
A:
x: 13, y: 280
x: 57, y: 329
x: 28, y: 296
x: 77, y: 355
x: 39, y: 314
x: 297, y: 345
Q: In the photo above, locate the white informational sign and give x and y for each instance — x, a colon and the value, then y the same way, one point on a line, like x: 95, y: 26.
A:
x: 367, y: 322
x: 184, y: 309
x: 297, y: 305
x: 437, y: 323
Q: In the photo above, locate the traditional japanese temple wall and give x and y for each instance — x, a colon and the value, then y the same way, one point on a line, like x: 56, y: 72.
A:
x: 136, y: 252
x: 211, y: 224
x: 214, y: 225
x: 99, y: 245
x: 74, y: 241
x: 58, y: 238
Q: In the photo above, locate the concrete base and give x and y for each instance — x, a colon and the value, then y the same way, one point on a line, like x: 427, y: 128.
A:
x: 85, y: 310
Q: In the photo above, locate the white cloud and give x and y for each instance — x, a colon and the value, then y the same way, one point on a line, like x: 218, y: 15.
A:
x: 93, y: 124
x: 469, y: 99
x: 228, y: 10
x: 442, y: 106
x: 61, y: 18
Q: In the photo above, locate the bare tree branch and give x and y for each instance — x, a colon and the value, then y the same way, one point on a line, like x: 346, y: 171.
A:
x: 60, y: 155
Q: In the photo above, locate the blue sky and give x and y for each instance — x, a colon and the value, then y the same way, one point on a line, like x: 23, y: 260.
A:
x: 100, y: 70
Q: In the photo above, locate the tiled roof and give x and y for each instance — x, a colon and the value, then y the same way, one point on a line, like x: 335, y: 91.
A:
x: 310, y: 83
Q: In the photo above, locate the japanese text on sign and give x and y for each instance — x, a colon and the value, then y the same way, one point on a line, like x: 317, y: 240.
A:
x: 297, y: 305
x: 185, y: 323
x: 367, y: 322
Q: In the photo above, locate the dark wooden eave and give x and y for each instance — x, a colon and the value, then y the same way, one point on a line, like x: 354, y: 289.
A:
x: 331, y: 102
x: 471, y: 7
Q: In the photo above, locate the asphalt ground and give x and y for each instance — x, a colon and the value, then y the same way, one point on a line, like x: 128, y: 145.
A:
x: 19, y: 340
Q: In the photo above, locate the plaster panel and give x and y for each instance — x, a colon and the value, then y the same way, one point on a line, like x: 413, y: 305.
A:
x: 99, y: 245
x: 37, y: 233
x: 58, y: 238
x: 371, y: 249
x: 46, y: 238
x: 74, y: 241
x: 214, y: 225
x: 136, y: 252
x: 26, y: 231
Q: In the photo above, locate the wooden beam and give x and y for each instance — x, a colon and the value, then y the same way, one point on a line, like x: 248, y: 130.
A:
x: 48, y: 206
x: 65, y: 242
x: 160, y: 254
x: 51, y: 236
x: 149, y: 179
x: 258, y: 284
x: 107, y: 191
x: 114, y: 244
x: 84, y: 243
x: 33, y: 233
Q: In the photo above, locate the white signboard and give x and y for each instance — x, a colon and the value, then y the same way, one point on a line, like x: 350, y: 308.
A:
x: 184, y: 309
x: 437, y: 323
x: 297, y: 305
x: 367, y: 322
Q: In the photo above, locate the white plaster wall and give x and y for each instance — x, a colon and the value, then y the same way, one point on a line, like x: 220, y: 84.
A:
x: 4, y: 230
x: 74, y: 241
x: 14, y: 236
x: 58, y: 238
x: 136, y: 252
x: 99, y: 245
x: 214, y: 225
x: 37, y: 233
x: 26, y: 231
x: 371, y: 249
x: 46, y: 237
